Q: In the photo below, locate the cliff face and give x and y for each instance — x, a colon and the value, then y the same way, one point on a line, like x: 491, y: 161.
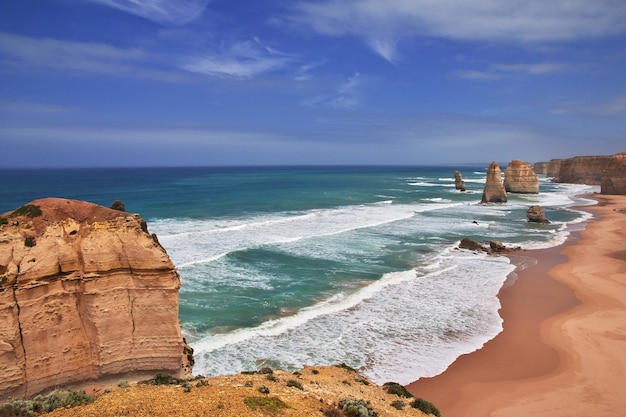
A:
x: 614, y: 176
x: 540, y: 168
x: 583, y: 170
x: 554, y: 165
x: 85, y: 292
x: 520, y: 178
x: 494, y: 191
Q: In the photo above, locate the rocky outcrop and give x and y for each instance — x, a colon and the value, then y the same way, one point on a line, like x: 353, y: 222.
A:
x: 459, y: 184
x: 520, y: 178
x: 494, y: 247
x: 583, y: 170
x: 535, y: 214
x: 85, y: 293
x: 494, y: 191
x: 540, y: 168
x: 614, y: 176
x: 554, y: 165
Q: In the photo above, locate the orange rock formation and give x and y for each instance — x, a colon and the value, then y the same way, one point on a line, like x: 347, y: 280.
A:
x: 519, y: 177
x: 85, y: 293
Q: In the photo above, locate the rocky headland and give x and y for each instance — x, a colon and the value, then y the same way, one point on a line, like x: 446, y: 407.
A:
x: 614, y: 176
x: 86, y: 293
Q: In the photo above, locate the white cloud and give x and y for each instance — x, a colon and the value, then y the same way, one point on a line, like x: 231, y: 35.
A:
x: 500, y: 71
x: 382, y: 23
x: 243, y: 60
x: 25, y: 53
x: 175, y: 12
x: 609, y: 108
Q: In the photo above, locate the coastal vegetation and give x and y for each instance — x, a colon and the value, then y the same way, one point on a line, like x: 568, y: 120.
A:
x: 28, y: 210
x: 45, y: 403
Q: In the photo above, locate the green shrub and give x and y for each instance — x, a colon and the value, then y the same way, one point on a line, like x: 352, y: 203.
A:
x: 356, y: 408
x: 271, y: 377
x: 397, y: 389
x: 45, y: 403
x: 362, y: 381
x: 29, y: 210
x: 162, y: 378
x: 268, y: 404
x: 398, y: 404
x: 346, y: 367
x: 29, y: 242
x: 123, y: 384
x: 294, y: 383
x: 426, y: 407
x: 3, y: 220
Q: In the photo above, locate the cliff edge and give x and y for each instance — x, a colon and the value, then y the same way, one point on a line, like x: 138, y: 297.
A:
x: 85, y: 293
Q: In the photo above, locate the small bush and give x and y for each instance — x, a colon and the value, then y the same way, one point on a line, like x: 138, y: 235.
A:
x: 29, y: 210
x: 248, y: 384
x: 123, y: 384
x: 332, y: 412
x: 263, y: 389
x: 294, y: 383
x: 271, y: 377
x: 162, y: 378
x: 3, y: 221
x: 268, y: 404
x: 397, y: 389
x: 356, y: 408
x: 346, y: 367
x: 44, y: 403
x: 29, y: 242
x: 362, y: 381
x: 398, y: 404
x: 426, y: 407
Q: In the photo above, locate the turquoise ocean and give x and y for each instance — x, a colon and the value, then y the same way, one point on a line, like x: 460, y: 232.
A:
x: 286, y: 267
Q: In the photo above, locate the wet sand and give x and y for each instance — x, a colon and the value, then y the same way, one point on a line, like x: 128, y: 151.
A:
x: 563, y: 348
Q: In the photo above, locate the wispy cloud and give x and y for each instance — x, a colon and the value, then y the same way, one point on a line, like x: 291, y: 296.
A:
x: 25, y: 53
x: 346, y: 95
x: 242, y: 60
x: 500, y: 71
x: 381, y: 24
x: 612, y: 107
x: 175, y: 12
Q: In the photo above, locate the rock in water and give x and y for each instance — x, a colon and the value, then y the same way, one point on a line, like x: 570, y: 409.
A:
x: 459, y: 184
x: 536, y: 214
x: 614, y: 176
x: 85, y: 293
x: 494, y: 191
x: 519, y: 177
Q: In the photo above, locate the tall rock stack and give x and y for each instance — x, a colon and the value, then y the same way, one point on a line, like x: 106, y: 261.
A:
x: 459, y: 184
x: 519, y: 177
x: 494, y: 191
x: 85, y: 293
x: 614, y: 176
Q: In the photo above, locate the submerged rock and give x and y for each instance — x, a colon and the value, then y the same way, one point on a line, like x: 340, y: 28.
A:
x: 535, y: 214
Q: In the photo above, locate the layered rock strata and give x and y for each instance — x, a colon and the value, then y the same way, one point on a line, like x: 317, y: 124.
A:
x: 614, y: 176
x: 583, y: 170
x: 540, y: 168
x: 494, y: 191
x: 459, y: 184
x: 519, y: 177
x: 85, y: 293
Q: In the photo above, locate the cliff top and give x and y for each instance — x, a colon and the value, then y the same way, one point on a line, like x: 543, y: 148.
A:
x: 312, y: 391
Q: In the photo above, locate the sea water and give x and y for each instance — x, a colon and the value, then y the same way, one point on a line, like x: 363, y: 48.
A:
x: 286, y: 267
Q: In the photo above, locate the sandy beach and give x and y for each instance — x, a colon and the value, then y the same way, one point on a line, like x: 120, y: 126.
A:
x: 563, y: 348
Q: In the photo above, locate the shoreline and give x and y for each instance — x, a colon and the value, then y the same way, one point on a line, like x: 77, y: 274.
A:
x: 563, y: 344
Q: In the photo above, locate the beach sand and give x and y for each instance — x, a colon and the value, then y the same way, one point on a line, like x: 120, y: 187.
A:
x: 563, y: 348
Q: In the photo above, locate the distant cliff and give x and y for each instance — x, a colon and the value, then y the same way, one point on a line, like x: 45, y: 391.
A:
x: 582, y: 170
x: 85, y: 292
x: 614, y: 175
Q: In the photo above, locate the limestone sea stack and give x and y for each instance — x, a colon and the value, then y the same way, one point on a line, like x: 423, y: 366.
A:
x: 85, y: 293
x: 614, y: 176
x: 494, y: 191
x: 535, y: 214
x: 459, y: 184
x: 519, y: 177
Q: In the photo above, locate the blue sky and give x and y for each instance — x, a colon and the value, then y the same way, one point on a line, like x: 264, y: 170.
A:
x: 250, y: 82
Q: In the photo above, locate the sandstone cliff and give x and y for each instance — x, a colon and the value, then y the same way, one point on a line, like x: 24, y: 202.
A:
x: 520, y: 178
x: 540, y: 168
x: 494, y: 191
x: 582, y: 170
x: 614, y: 176
x: 85, y: 292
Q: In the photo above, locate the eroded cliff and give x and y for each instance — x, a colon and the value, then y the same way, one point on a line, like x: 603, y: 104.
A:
x: 582, y: 170
x: 85, y: 293
x: 614, y: 176
x: 519, y: 177
x: 494, y: 191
